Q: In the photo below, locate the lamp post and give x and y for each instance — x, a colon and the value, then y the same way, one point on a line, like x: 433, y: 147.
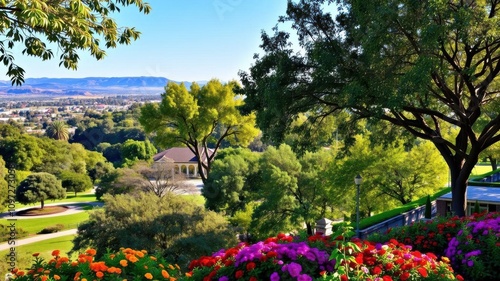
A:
x: 357, y: 180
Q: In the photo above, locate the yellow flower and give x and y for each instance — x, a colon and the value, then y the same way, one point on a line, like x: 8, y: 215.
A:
x: 148, y: 276
x: 84, y: 279
x: 445, y: 259
x: 171, y: 266
x: 153, y: 258
x: 123, y: 263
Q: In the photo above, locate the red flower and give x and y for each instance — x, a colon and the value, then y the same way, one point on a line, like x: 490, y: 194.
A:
x: 239, y: 274
x: 459, y: 277
x: 387, y: 278
x: 422, y: 271
x: 343, y: 277
x: 250, y: 266
x: 404, y: 276
x: 253, y: 278
x: 377, y: 270
x: 389, y: 266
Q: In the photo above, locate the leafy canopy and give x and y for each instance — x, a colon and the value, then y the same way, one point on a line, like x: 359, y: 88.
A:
x: 73, y: 26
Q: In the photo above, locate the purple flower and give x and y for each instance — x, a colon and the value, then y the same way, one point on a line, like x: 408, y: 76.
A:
x: 470, y: 263
x: 275, y: 276
x: 294, y: 269
x: 304, y: 277
x: 224, y: 278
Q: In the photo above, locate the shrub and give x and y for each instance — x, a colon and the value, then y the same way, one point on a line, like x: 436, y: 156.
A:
x: 475, y: 250
x: 5, y: 233
x: 51, y: 229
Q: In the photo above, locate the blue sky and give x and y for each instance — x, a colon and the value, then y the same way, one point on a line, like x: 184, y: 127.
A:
x: 183, y: 40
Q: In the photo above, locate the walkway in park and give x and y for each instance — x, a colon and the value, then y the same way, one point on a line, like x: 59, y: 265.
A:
x: 73, y: 208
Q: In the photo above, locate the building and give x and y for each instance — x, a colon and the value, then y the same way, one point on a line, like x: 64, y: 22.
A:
x: 182, y: 160
x: 487, y: 197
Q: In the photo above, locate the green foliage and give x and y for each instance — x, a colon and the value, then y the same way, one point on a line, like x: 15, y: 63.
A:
x: 199, y: 118
x: 476, y: 207
x: 132, y: 151
x: 408, y: 63
x: 75, y: 26
x: 75, y: 182
x: 99, y: 170
x: 39, y: 187
x: 3, y: 185
x: 169, y: 226
x: 233, y: 176
x: 57, y: 130
x: 5, y: 232
x: 292, y: 192
x: 21, y: 152
x: 119, y: 181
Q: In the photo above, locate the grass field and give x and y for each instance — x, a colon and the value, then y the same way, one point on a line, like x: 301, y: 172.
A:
x: 24, y: 253
x: 481, y: 169
x: 33, y: 226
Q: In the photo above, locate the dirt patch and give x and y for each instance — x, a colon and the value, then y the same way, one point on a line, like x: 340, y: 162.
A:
x: 47, y: 210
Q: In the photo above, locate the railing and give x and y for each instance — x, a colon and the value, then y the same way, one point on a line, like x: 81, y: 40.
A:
x: 397, y: 221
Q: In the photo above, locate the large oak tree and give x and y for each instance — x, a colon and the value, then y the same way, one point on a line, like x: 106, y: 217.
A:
x: 424, y: 66
x: 72, y: 26
x: 201, y: 119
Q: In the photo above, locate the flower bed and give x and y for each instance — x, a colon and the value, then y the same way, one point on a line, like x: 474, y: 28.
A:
x: 283, y: 258
x: 127, y: 264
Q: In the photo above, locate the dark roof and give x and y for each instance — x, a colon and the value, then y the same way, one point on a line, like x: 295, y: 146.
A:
x: 176, y: 155
x: 479, y: 193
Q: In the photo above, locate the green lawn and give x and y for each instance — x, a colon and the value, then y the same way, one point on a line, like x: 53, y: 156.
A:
x: 45, y: 248
x: 33, y: 226
x: 481, y: 169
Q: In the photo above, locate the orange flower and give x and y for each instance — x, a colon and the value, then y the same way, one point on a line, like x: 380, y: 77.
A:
x: 172, y: 279
x: 36, y: 254
x: 57, y: 277
x: 44, y: 278
x: 91, y: 252
x: 77, y: 275
x: 123, y: 263
x: 39, y: 270
x: 132, y: 258
x: 171, y: 266
x: 139, y: 254
x: 153, y: 258
x: 177, y: 266
x: 84, y: 279
x: 56, y: 253
x: 46, y: 271
x: 118, y: 271
x: 165, y: 274
x: 20, y: 273
x: 99, y: 274
x: 74, y: 263
x: 148, y: 276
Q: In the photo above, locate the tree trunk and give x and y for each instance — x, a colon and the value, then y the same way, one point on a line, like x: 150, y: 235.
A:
x: 309, y: 229
x: 460, y: 172
x: 493, y: 162
x: 42, y: 204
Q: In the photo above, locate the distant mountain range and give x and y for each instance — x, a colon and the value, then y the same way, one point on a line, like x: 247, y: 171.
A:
x: 89, y: 86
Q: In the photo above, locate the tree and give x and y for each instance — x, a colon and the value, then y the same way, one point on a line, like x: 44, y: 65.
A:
x: 191, y: 118
x: 293, y: 192
x: 75, y: 182
x: 420, y: 65
x: 492, y: 153
x: 22, y: 152
x: 39, y: 187
x: 4, y: 187
x: 409, y: 175
x: 160, y: 178
x: 78, y: 25
x: 133, y: 150
x: 171, y: 226
x: 57, y: 130
x: 119, y: 181
x: 99, y: 170
x: 232, y: 181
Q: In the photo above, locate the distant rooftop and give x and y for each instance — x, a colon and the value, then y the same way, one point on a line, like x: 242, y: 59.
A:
x: 479, y: 193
